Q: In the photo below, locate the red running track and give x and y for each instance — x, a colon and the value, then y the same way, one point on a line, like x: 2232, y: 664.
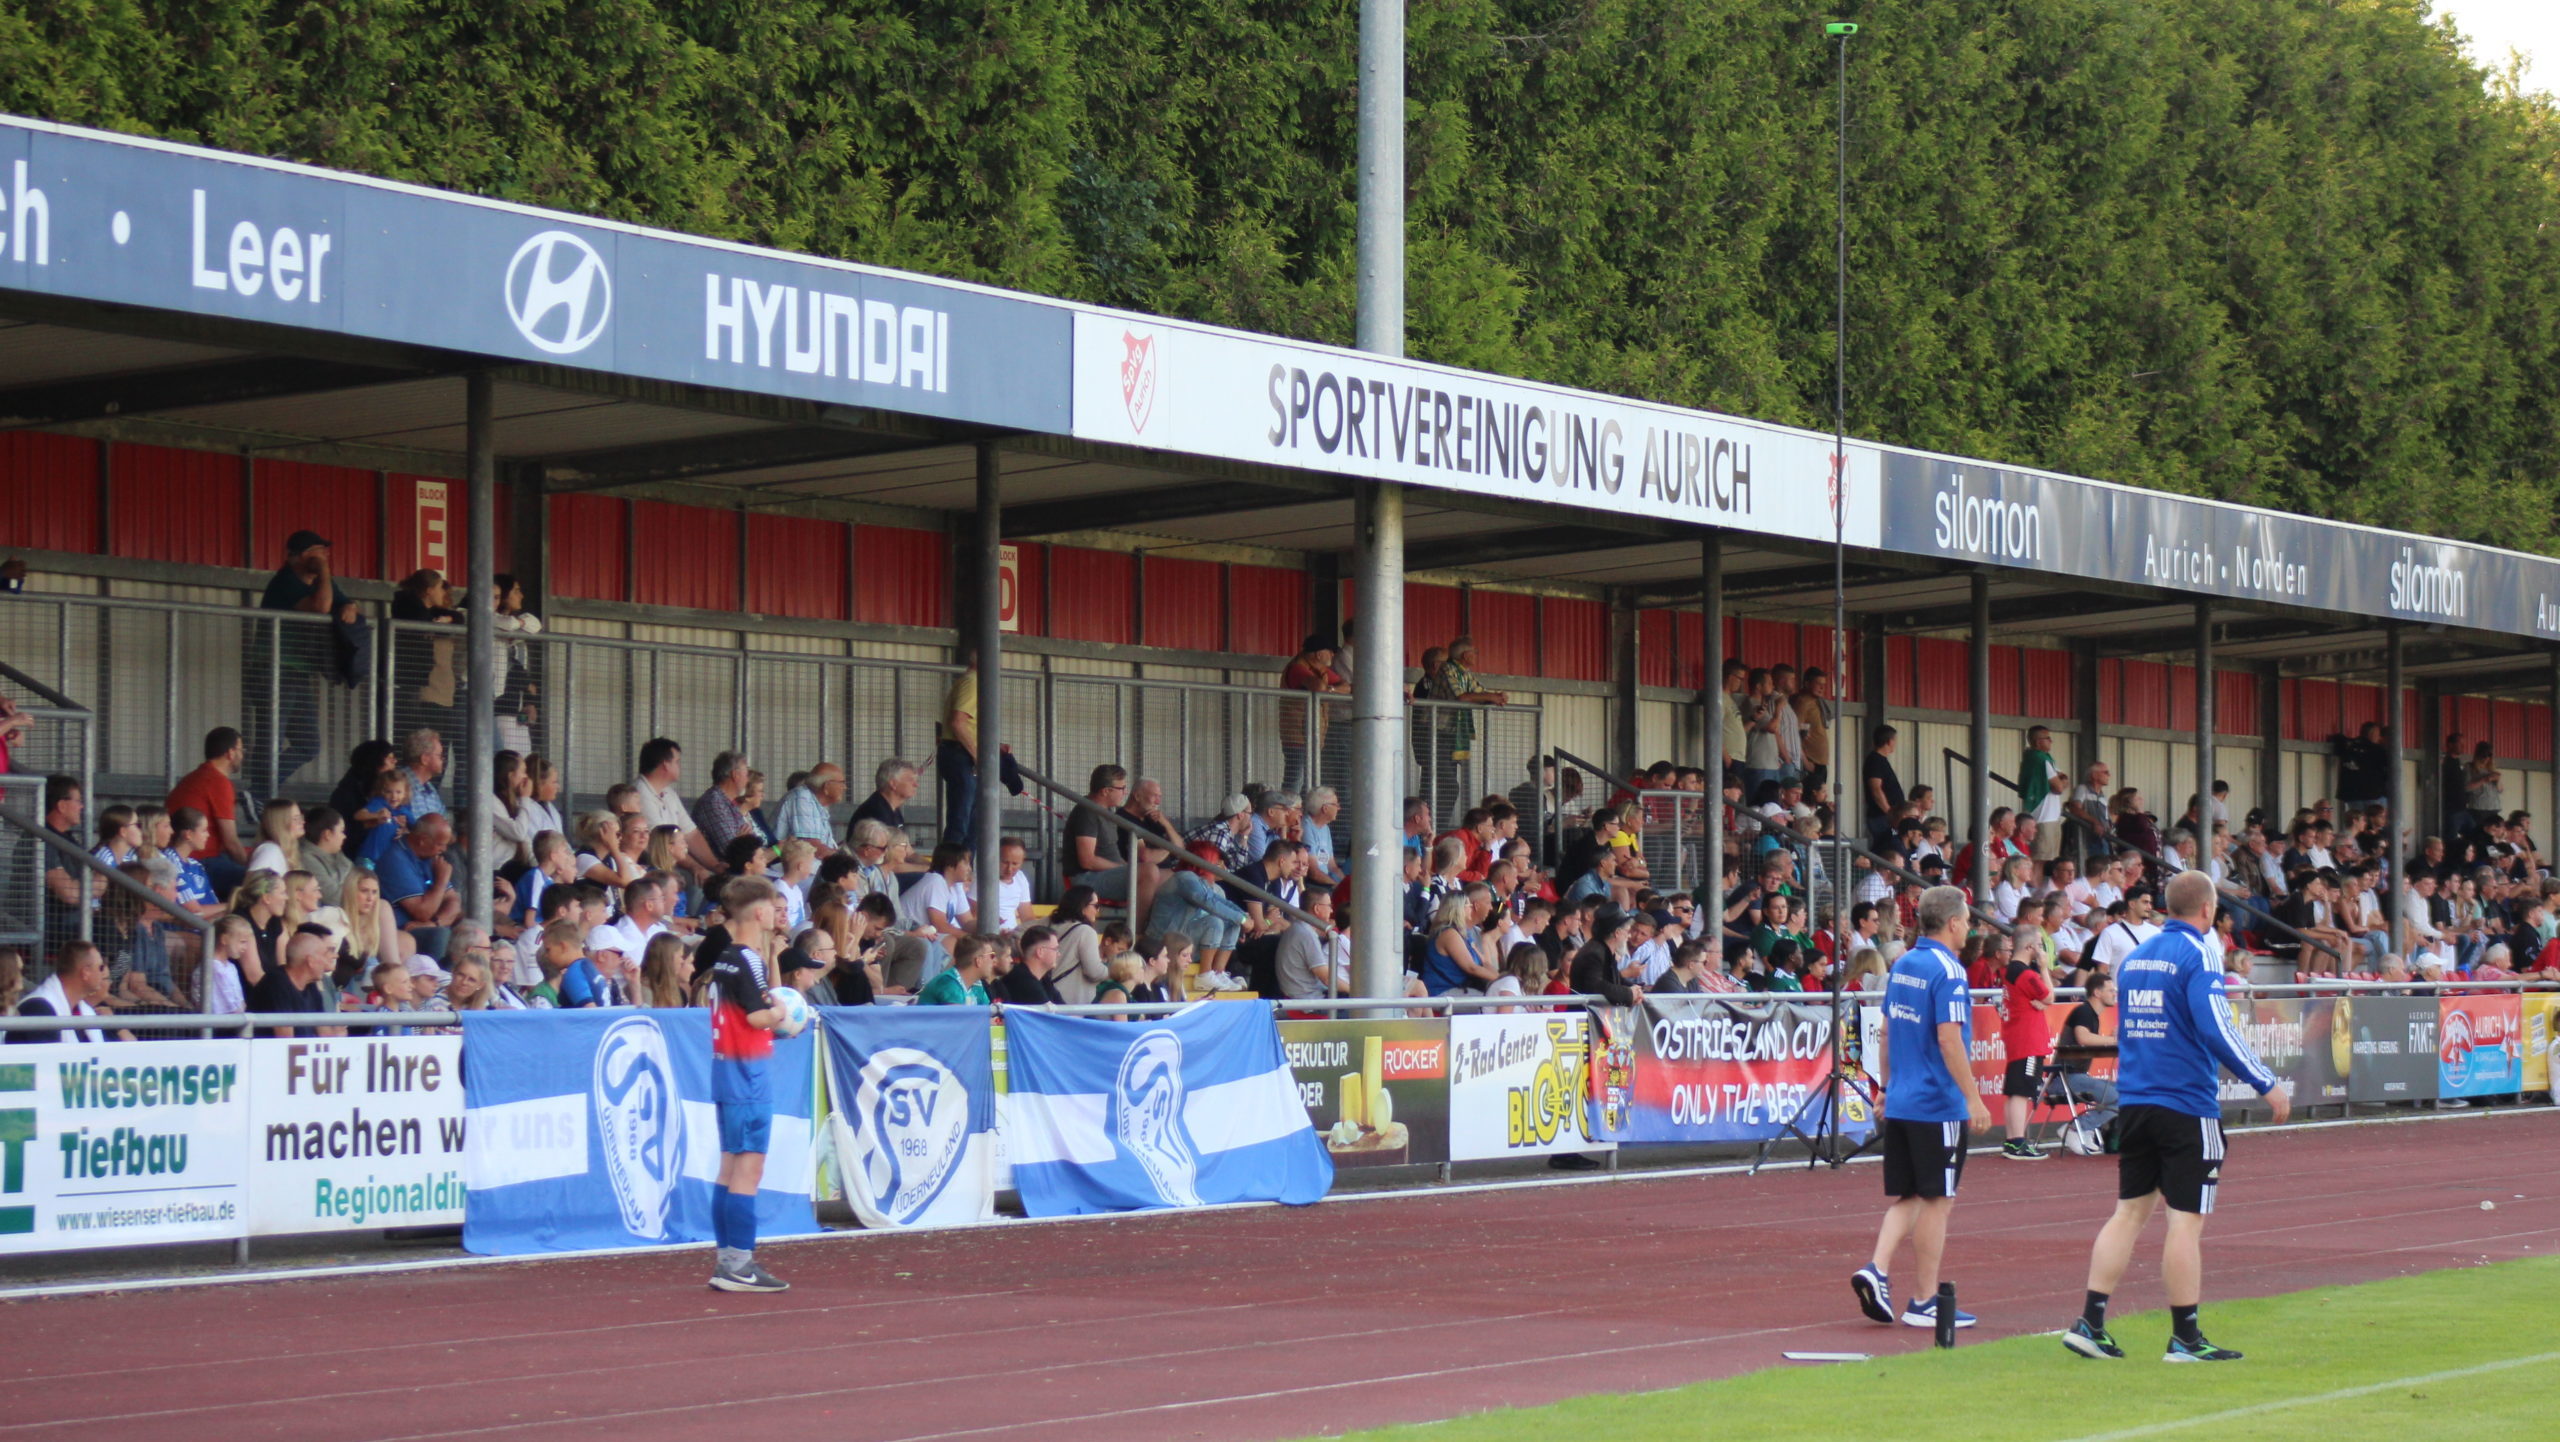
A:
x: 1237, y: 1325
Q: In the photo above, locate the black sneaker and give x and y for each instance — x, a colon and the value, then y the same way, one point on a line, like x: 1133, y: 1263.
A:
x: 2019, y: 1149
x: 2199, y: 1350
x: 746, y: 1277
x: 2091, y: 1342
x: 1875, y: 1294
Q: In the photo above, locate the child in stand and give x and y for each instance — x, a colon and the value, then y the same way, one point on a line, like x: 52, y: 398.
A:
x: 743, y: 1016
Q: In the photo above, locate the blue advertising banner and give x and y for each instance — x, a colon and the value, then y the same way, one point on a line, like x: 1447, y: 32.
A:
x: 595, y: 1128
x: 1180, y: 1111
x: 915, y: 1112
x: 142, y: 222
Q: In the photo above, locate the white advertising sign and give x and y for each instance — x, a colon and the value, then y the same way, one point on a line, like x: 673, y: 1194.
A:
x: 1196, y: 391
x: 121, y: 1144
x: 355, y: 1133
x: 1517, y: 1086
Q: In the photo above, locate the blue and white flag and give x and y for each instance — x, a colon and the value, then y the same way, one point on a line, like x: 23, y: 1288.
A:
x: 1178, y: 1111
x: 596, y: 1128
x: 914, y: 1090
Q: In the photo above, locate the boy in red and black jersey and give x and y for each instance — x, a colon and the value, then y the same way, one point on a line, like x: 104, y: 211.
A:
x: 2028, y: 1040
x: 743, y: 1016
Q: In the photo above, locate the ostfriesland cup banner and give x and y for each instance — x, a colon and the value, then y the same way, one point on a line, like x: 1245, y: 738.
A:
x: 1186, y: 1110
x: 1729, y: 1069
x: 596, y: 1128
x: 913, y: 1120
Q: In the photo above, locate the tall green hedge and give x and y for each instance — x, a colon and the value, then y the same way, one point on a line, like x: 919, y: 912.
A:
x: 2293, y: 252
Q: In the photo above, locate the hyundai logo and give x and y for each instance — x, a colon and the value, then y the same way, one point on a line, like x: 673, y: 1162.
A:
x: 558, y: 293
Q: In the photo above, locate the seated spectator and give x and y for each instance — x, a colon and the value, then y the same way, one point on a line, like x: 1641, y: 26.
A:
x: 617, y: 948
x: 279, y: 846
x: 294, y: 989
x: 1031, y: 980
x: 77, y: 988
x: 1455, y: 962
x: 894, y: 784
x: 666, y: 973
x: 321, y: 850
x: 131, y: 933
x: 718, y: 814
x: 869, y: 840
x: 964, y: 982
x: 422, y: 760
x: 661, y: 768
x: 1094, y: 856
x: 232, y: 969
x: 808, y: 803
x: 1190, y: 905
x: 1081, y: 965
x: 418, y: 880
x: 560, y: 945
x: 939, y: 906
x: 1228, y: 834
x: 1013, y: 885
x: 212, y: 790
x: 1301, y: 964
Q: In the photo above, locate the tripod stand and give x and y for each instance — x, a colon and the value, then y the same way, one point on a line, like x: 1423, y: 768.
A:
x: 1822, y: 1132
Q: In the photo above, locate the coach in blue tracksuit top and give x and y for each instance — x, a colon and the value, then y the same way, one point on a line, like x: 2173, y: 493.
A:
x: 2176, y: 1036
x: 1925, y: 1061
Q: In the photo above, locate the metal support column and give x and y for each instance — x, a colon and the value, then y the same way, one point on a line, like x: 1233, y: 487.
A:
x: 1378, y: 741
x: 2204, y: 732
x: 1711, y: 609
x: 1627, y: 727
x: 987, y: 617
x: 1978, y: 664
x: 480, y: 764
x: 1378, y: 729
x: 2270, y: 744
x: 2395, y: 712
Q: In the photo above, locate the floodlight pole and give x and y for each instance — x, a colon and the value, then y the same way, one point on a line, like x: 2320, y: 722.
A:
x: 1837, y: 761
x: 1377, y: 685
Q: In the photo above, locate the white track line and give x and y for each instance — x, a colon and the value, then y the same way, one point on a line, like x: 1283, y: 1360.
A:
x: 2342, y: 1394
x: 858, y: 1234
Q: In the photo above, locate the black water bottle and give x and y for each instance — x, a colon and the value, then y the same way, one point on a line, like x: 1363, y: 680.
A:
x: 1946, y: 1314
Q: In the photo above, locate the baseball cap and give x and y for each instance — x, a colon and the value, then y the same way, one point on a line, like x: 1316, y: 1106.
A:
x: 794, y: 959
x: 425, y: 965
x: 1237, y: 804
x: 301, y: 541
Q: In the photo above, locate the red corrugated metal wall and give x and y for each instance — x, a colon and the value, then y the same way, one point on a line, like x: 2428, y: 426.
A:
x: 48, y: 492
x: 1184, y: 610
x: 2006, y: 681
x: 1430, y: 619
x: 2357, y: 705
x: 901, y: 577
x: 2235, y: 703
x: 1505, y: 625
x: 2471, y: 717
x: 1902, y: 688
x: 796, y: 566
x: 2182, y: 699
x: 1092, y: 595
x: 1768, y: 643
x: 1656, y: 634
x: 2044, y: 682
x: 2315, y: 709
x: 1031, y: 573
x: 1269, y: 610
x: 688, y: 556
x: 340, y: 502
x: 1939, y: 675
x: 1689, y: 663
x: 586, y: 547
x: 2145, y: 696
x: 2536, y: 743
x: 183, y: 507
x: 1577, y: 638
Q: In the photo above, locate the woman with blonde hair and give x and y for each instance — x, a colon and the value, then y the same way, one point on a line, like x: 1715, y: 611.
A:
x: 279, y: 838
x: 260, y: 901
x: 600, y: 857
x: 372, y: 926
x: 1119, y: 982
x: 855, y: 975
x: 665, y: 973
x: 542, y: 797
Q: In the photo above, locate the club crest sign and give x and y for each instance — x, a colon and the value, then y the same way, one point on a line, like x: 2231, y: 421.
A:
x: 1138, y: 377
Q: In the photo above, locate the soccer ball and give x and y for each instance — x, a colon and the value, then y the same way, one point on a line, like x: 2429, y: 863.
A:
x: 795, y: 1011
x: 2082, y: 1140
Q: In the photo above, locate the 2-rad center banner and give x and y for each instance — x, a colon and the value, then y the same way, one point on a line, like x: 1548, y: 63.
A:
x: 1520, y: 1085
x: 597, y: 1128
x: 1724, y: 1069
x: 1376, y: 1091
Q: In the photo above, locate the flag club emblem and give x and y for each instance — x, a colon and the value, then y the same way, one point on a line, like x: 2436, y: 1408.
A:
x: 1138, y: 377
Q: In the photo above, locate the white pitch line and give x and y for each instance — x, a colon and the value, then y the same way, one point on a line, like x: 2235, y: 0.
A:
x: 2258, y: 1409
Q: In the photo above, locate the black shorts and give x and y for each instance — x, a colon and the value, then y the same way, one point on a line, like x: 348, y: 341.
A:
x: 2025, y: 1077
x: 1922, y: 1159
x: 2171, y: 1153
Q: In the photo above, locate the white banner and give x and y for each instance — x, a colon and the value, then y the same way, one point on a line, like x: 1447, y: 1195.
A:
x: 1517, y: 1086
x: 355, y: 1133
x: 1197, y: 391
x: 121, y: 1144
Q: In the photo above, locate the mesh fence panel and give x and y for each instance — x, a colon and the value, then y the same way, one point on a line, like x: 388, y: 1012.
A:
x: 22, y: 899
x: 31, y: 636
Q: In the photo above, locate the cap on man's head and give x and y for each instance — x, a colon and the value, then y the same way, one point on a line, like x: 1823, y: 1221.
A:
x: 1237, y: 804
x: 301, y: 541
x: 794, y: 959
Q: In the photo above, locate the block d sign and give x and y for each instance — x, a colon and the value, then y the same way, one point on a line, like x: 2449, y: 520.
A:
x: 110, y: 1146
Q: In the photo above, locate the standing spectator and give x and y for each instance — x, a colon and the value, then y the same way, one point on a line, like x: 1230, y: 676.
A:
x: 955, y: 752
x: 2091, y: 830
x: 2027, y: 1040
x: 1790, y: 726
x: 2483, y: 788
x: 518, y: 693
x: 1879, y: 789
x: 806, y: 808
x: 2364, y: 768
x: 1094, y: 857
x: 1762, y: 756
x: 1814, y: 715
x: 1737, y: 730
x: 288, y: 727
x: 2042, y: 784
x: 717, y: 815
x: 1311, y: 677
x: 1457, y: 731
x: 211, y: 789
